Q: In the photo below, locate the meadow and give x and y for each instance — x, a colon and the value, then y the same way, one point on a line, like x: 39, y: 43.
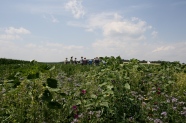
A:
x: 115, y: 92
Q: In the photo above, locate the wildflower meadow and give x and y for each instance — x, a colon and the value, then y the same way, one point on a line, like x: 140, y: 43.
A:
x: 111, y: 92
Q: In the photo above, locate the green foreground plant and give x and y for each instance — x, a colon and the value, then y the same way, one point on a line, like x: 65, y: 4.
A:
x: 112, y: 92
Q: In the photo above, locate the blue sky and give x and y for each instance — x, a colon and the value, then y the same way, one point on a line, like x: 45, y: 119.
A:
x: 51, y: 30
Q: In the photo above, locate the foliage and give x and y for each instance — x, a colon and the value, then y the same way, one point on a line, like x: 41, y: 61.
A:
x: 112, y: 92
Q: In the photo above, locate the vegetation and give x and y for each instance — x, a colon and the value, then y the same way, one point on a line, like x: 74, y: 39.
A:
x: 114, y: 92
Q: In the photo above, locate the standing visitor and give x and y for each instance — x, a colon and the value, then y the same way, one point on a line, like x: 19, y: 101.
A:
x: 66, y: 61
x: 85, y: 61
x: 75, y: 61
x: 96, y: 61
x: 81, y: 61
x: 71, y: 60
x: 90, y: 62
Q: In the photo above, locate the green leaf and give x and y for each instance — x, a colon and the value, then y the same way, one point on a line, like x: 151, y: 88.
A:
x: 102, y: 84
x: 93, y: 96
x: 170, y: 82
x: 110, y: 86
x: 47, y: 96
x: 33, y: 76
x: 52, y: 83
x: 89, y: 105
x: 52, y: 68
x: 104, y: 104
x: 54, y: 89
x: 78, y: 102
x: 127, y: 86
x: 54, y: 105
x: 63, y: 94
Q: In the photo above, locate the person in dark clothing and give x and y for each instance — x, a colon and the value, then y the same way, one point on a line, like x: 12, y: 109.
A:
x: 90, y: 61
x: 96, y: 61
x: 85, y: 61
x: 75, y: 61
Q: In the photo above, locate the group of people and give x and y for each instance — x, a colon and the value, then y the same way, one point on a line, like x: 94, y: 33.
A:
x: 83, y: 61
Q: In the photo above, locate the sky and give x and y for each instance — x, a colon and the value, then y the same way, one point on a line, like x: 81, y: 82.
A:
x: 52, y: 30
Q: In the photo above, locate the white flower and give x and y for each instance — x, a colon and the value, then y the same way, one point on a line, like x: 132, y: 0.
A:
x: 164, y: 113
x: 154, y: 88
x: 184, y: 108
x: 75, y: 120
x: 181, y: 103
x: 91, y: 112
x: 174, y: 100
x: 98, y: 115
x: 174, y: 108
x: 3, y: 90
x: 157, y: 121
x: 183, y: 113
x: 149, y: 118
x: 168, y: 101
x: 80, y: 115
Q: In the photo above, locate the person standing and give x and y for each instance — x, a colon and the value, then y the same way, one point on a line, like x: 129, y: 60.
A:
x: 90, y: 61
x: 81, y: 61
x: 96, y: 61
x: 66, y: 61
x: 85, y: 61
x: 75, y: 61
x: 71, y: 60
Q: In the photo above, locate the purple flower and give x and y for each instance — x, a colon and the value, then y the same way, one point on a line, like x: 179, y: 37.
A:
x: 174, y: 99
x: 157, y: 121
x: 76, y: 116
x: 83, y: 91
x: 74, y: 107
x: 164, y: 113
x: 75, y: 121
x: 174, y: 108
x: 183, y: 113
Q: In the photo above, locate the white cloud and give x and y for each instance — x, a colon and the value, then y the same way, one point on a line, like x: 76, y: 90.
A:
x: 9, y: 37
x: 12, y: 33
x: 21, y: 30
x: 124, y: 27
x: 114, y: 25
x: 46, y: 52
x: 154, y: 34
x: 163, y: 48
x: 54, y: 20
x: 75, y: 6
x: 129, y: 38
x: 51, y: 18
x: 141, y: 50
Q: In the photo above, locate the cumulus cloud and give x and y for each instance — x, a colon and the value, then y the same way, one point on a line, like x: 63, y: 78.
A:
x: 12, y: 33
x: 163, y: 48
x: 21, y: 30
x: 45, y: 52
x: 154, y: 34
x: 129, y: 38
x: 169, y: 51
x: 114, y: 25
x: 54, y: 20
x: 125, y: 28
x: 9, y: 37
x: 51, y: 18
x: 75, y: 6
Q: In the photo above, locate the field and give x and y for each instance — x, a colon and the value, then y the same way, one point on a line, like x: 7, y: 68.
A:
x: 114, y: 92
